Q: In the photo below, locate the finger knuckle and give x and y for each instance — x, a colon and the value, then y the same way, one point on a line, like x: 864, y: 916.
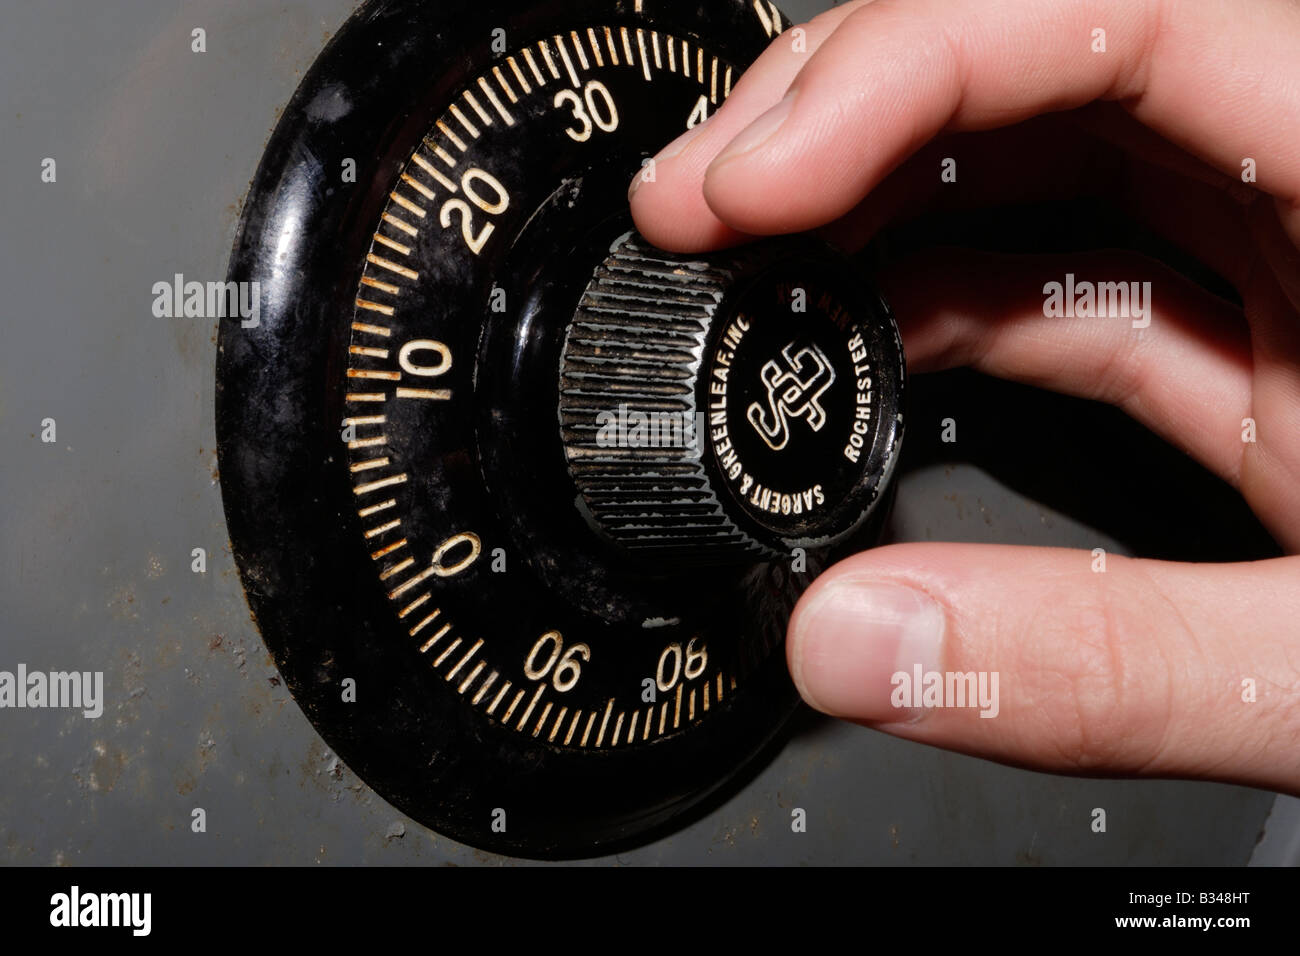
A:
x: 1105, y: 697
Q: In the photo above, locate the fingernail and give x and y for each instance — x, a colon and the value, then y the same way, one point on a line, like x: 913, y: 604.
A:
x: 668, y: 152
x: 758, y: 132
x: 680, y: 143
x: 853, y: 637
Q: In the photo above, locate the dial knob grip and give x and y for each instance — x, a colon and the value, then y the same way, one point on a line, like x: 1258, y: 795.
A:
x: 729, y: 408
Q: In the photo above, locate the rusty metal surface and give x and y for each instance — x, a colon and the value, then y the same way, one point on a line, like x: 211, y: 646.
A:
x: 155, y: 146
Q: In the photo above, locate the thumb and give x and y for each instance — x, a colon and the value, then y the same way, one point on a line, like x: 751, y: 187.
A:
x: 1063, y: 660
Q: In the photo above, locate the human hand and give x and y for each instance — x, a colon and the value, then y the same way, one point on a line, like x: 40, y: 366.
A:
x: 1189, y: 118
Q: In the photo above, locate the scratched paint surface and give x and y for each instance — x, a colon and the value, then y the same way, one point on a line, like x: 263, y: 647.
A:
x: 155, y: 146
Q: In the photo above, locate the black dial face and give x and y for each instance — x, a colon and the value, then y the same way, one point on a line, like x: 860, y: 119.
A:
x: 539, y: 132
x: 409, y: 536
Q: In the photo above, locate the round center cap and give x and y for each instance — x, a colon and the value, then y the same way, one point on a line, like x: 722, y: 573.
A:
x: 737, y: 407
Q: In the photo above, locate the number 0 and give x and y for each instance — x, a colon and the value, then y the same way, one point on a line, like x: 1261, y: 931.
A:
x: 425, y: 345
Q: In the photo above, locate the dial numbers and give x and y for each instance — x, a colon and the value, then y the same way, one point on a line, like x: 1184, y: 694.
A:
x: 449, y: 197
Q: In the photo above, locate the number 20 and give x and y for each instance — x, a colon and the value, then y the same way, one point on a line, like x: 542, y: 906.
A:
x: 493, y: 208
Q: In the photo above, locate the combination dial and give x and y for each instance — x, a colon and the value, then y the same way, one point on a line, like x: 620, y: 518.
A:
x: 725, y: 410
x: 521, y: 504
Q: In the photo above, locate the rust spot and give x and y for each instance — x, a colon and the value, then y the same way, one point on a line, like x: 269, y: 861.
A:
x: 120, y: 601
x: 105, y: 768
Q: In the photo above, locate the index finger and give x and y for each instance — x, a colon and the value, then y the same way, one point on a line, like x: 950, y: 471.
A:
x: 1218, y: 79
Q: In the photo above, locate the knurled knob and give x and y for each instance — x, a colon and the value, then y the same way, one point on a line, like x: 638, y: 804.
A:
x: 731, y: 407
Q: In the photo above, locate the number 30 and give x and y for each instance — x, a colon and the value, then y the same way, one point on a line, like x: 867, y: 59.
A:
x: 604, y: 115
